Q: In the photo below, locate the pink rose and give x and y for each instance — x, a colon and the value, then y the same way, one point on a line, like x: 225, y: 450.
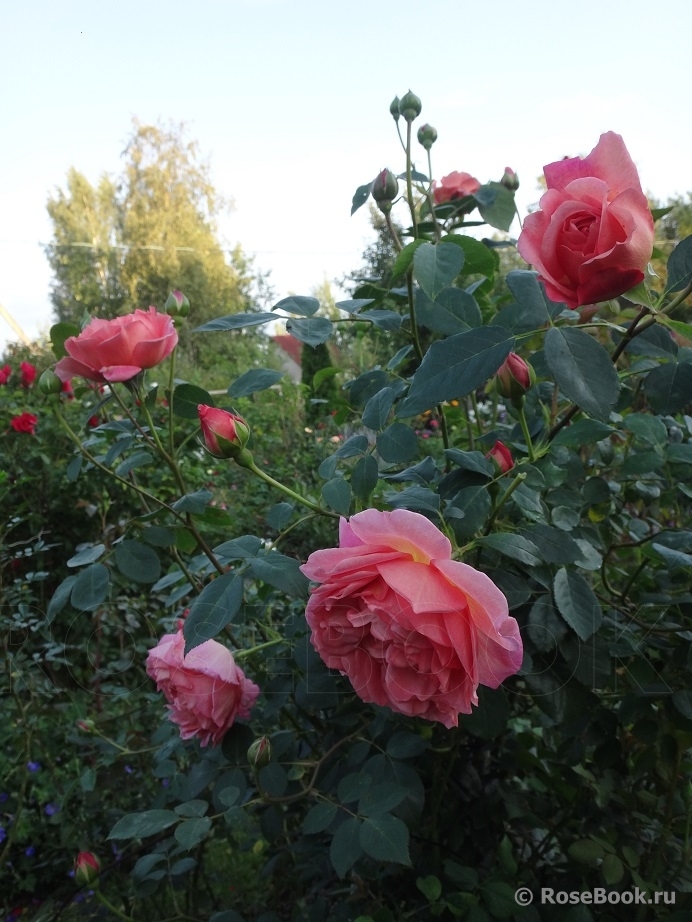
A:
x: 117, y: 350
x: 454, y: 185
x: 412, y: 629
x: 594, y: 234
x: 205, y: 690
x: 224, y: 433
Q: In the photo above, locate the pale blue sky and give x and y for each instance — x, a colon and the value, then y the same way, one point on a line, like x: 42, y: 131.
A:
x: 289, y: 100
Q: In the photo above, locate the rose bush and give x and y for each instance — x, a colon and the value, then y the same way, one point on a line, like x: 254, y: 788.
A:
x: 411, y: 628
x: 205, y: 690
x: 593, y: 236
x: 117, y: 350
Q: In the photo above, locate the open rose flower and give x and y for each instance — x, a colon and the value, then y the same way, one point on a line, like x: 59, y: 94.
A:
x: 205, y: 690
x: 28, y: 374
x: 453, y: 186
x: 117, y: 350
x: 25, y: 422
x: 412, y: 629
x: 594, y: 234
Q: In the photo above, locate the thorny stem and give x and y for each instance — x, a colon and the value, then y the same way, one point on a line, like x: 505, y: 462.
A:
x: 245, y: 459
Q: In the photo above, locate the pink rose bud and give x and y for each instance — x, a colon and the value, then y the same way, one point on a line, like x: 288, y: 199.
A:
x: 427, y: 136
x: 510, y: 180
x: 177, y: 305
x: 514, y: 378
x: 410, y: 106
x: 225, y: 434
x: 87, y: 868
x: 385, y: 189
x: 500, y: 455
x: 86, y: 726
x: 259, y: 754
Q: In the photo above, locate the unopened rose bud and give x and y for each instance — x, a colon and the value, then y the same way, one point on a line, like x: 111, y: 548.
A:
x: 259, y: 754
x: 177, y: 305
x: 225, y: 434
x: 510, y: 180
x: 394, y: 109
x: 49, y: 383
x: 501, y: 456
x: 410, y: 106
x: 427, y: 136
x: 385, y: 189
x: 514, y: 378
x: 86, y: 726
x: 87, y: 868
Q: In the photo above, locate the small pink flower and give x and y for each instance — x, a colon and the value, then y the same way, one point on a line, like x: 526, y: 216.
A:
x: 501, y: 456
x: 25, y: 422
x: 453, y: 186
x: 412, y: 629
x: 224, y: 433
x: 117, y: 350
x: 87, y: 868
x: 205, y: 690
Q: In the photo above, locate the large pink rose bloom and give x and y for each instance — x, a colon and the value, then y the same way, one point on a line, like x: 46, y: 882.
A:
x: 205, y: 690
x: 117, y: 350
x: 412, y: 629
x: 594, y: 234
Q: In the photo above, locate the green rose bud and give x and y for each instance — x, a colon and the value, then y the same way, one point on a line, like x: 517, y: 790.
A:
x: 177, y: 305
x: 259, y: 754
x: 410, y: 106
x: 87, y: 868
x: 427, y: 136
x: 385, y: 189
x: 49, y: 383
x: 394, y: 109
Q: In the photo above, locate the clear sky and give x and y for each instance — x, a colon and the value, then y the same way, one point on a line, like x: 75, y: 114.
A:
x: 289, y: 100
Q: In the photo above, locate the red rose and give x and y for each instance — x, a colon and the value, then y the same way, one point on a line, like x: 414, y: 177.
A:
x: 412, y: 629
x: 25, y: 422
x: 205, y: 690
x: 454, y: 185
x: 5, y: 373
x: 594, y: 234
x: 28, y: 372
x: 117, y: 350
x: 502, y: 456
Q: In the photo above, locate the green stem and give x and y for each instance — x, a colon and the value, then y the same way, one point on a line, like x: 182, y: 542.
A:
x: 409, y: 182
x: 245, y: 459
x: 107, y: 903
x: 518, y: 480
x: 412, y: 314
x: 431, y: 201
x: 527, y: 435
x: 392, y: 230
x: 239, y: 654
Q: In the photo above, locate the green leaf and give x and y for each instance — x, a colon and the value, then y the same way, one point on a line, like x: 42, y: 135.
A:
x: 318, y: 818
x: 399, y: 357
x: 337, y: 495
x: 577, y: 603
x: 397, y: 443
x: 194, y: 503
x: 313, y: 330
x: 647, y: 428
x: 489, y: 719
x: 456, y: 366
x: 87, y: 555
x: 405, y: 745
x: 381, y: 798
x: 140, y: 825
x: 582, y: 369
x: 680, y: 266
x: 499, y: 897
x: 193, y: 831
x: 281, y: 572
x: 677, y: 326
x: 159, y: 536
x: 362, y: 388
x: 586, y: 851
x: 405, y: 258
x: 138, y: 459
x: 474, y: 461
x: 583, y: 432
x: 669, y: 387
x: 345, y: 848
x: 186, y: 399
x: 59, y: 332
x: 612, y: 869
x: 478, y: 258
x: 60, y: 597
x: 279, y: 515
x: 682, y: 700
x: 496, y: 205
x: 436, y: 266
x: 137, y: 561
x: 298, y: 304
x: 237, y: 322
x: 90, y: 588
x: 364, y: 477
x: 430, y: 887
x: 257, y: 379
x: 654, y: 342
x: 73, y: 468
x: 360, y: 197
x: 214, y: 608
x: 385, y: 838
x: 472, y: 506
x: 672, y: 557
x: 377, y: 409
x: 513, y: 546
x: 531, y: 309
x: 454, y: 311
x: 239, y: 548
x: 383, y: 320
x: 353, y: 305
x: 417, y: 499
x: 355, y: 445
x: 544, y: 629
